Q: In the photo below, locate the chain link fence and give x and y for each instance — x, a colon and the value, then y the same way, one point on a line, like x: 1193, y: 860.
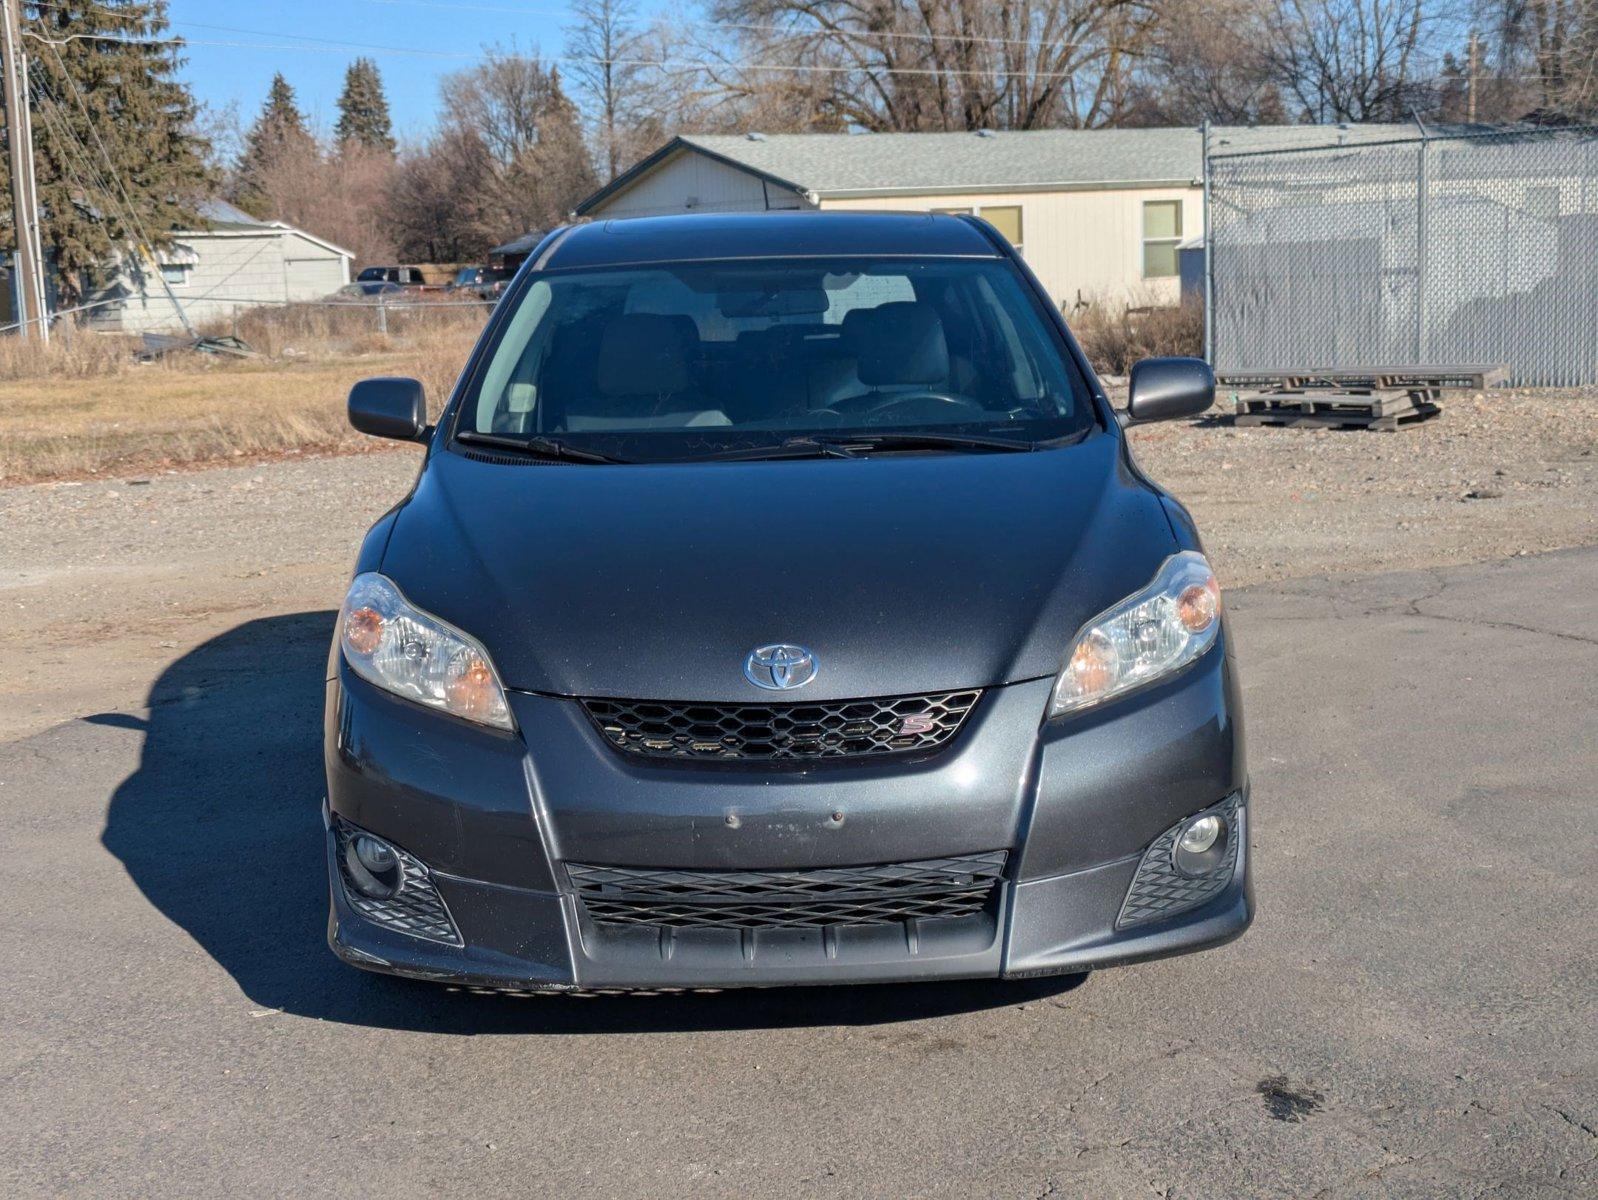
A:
x: 1439, y: 250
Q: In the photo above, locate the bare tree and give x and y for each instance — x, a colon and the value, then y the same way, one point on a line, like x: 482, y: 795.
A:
x: 514, y: 107
x: 945, y: 64
x: 1206, y: 59
x: 549, y: 177
x: 1551, y: 48
x: 609, y: 72
x: 336, y: 196
x: 500, y: 99
x: 1351, y: 60
x: 440, y: 201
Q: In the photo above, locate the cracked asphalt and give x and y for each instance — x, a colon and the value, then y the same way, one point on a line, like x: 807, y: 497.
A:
x: 1414, y: 1013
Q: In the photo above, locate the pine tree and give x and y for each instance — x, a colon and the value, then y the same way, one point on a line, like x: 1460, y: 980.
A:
x: 278, y: 133
x: 116, y: 154
x: 363, y: 118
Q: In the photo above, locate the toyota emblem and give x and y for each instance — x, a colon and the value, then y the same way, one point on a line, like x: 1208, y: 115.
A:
x: 780, y: 667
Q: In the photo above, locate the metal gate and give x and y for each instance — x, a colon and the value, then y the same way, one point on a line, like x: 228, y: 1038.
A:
x: 1428, y: 250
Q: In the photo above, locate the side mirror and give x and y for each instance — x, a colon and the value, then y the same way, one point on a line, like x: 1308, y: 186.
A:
x: 1165, y: 389
x: 390, y: 407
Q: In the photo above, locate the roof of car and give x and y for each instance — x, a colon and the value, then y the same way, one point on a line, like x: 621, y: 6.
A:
x: 692, y: 236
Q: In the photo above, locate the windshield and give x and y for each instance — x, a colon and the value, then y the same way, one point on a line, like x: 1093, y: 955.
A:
x: 686, y: 360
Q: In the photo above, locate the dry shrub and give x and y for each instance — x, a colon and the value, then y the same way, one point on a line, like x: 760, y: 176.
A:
x: 70, y: 353
x: 328, y: 331
x: 1116, y: 336
x: 189, y: 408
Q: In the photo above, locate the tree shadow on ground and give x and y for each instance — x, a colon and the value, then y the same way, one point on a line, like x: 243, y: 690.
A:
x: 220, y: 827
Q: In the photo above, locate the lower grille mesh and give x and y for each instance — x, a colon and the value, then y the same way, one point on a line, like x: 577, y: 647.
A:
x: 931, y: 888
x: 416, y: 909
x: 1160, y: 890
x: 832, y: 729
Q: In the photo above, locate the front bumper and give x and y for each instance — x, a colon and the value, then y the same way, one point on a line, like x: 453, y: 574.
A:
x: 1076, y: 804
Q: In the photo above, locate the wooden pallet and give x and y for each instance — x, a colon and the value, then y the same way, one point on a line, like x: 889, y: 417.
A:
x: 1384, y: 413
x: 1349, y: 403
x: 1473, y: 377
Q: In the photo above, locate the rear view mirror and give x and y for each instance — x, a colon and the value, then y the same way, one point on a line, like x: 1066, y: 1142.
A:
x: 390, y: 407
x: 1165, y: 389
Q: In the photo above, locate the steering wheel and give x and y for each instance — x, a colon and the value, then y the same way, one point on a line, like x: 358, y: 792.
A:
x: 879, y: 406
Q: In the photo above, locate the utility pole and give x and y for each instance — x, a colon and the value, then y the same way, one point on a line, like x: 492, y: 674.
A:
x: 1472, y: 68
x: 28, y: 262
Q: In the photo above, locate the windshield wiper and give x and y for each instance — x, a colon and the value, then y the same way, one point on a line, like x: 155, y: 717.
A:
x: 928, y: 441
x: 538, y: 446
x: 794, y: 447
x: 852, y: 445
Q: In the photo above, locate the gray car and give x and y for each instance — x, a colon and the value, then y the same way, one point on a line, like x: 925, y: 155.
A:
x: 779, y: 602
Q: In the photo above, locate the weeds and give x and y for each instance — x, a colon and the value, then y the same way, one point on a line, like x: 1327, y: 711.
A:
x: 84, y: 404
x: 1116, y: 336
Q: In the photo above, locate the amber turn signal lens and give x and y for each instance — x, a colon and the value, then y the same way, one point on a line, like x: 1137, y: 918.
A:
x: 1199, y: 605
x: 1092, y: 666
x: 363, y: 631
x: 474, y: 692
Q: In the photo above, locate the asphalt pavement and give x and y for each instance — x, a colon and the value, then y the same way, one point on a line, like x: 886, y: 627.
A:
x: 1414, y: 1013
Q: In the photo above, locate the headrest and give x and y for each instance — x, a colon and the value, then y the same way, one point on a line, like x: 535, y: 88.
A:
x: 643, y: 354
x: 899, y: 343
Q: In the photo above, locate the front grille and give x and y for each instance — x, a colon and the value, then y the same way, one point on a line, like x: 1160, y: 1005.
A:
x: 931, y: 888
x: 766, y: 732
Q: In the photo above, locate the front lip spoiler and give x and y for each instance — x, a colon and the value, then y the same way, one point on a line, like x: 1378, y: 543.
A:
x: 1040, y: 908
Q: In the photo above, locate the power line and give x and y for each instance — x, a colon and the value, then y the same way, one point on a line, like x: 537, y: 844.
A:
x: 329, y: 46
x: 749, y: 26
x: 130, y: 210
x: 325, y: 45
x: 712, y: 26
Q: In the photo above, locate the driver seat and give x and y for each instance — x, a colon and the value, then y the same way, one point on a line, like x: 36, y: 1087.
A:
x: 899, y: 346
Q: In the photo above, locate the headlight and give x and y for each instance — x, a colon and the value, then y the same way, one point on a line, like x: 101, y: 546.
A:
x: 389, y: 642
x: 1149, y: 634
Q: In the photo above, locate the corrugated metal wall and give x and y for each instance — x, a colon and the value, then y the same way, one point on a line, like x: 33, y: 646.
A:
x: 1435, y: 251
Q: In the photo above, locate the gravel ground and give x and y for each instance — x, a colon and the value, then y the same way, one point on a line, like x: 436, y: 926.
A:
x: 1497, y: 474
x: 102, y: 582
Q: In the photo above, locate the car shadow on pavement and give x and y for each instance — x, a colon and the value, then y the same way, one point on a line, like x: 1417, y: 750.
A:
x: 220, y: 827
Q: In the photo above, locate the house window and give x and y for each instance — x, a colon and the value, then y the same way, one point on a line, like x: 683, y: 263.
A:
x: 1006, y: 219
x: 1162, y: 233
x: 175, y: 274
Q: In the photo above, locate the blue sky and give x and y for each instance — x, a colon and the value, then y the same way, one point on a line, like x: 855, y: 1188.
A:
x: 449, y: 34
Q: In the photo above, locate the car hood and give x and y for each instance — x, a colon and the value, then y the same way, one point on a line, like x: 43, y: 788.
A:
x: 902, y: 573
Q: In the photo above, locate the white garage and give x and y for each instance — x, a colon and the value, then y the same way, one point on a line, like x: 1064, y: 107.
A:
x: 236, y: 261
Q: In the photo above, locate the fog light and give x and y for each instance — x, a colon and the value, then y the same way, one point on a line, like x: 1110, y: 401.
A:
x: 1201, y: 846
x: 373, y: 866
x: 378, y: 856
x: 1198, y: 836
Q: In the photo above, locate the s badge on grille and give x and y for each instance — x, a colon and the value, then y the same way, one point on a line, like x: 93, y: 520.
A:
x: 780, y: 667
x: 914, y: 726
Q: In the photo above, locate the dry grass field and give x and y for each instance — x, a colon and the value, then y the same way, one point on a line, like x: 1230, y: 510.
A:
x: 85, y: 406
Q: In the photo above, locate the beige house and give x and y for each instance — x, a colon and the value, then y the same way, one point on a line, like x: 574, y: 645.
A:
x: 1097, y: 214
